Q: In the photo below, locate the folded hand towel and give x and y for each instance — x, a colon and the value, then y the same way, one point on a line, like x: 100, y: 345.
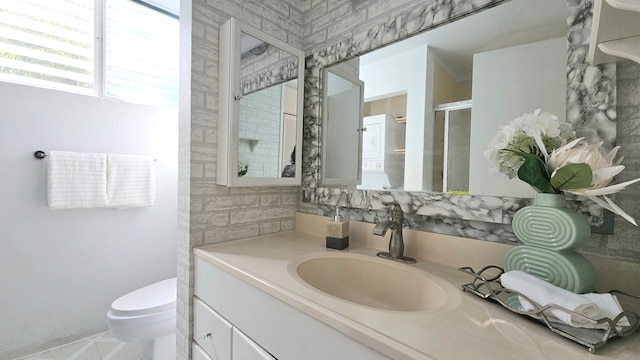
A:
x: 76, y: 180
x: 131, y: 181
x: 593, y: 306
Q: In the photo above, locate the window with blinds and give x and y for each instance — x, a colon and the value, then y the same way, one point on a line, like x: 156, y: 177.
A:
x: 57, y: 44
x: 142, y: 53
x: 48, y: 43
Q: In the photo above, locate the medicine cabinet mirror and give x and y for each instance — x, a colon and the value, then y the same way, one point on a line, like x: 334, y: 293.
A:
x: 260, y: 108
x: 343, y: 125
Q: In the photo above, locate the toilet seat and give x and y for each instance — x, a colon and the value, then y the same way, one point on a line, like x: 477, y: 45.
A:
x: 151, y: 299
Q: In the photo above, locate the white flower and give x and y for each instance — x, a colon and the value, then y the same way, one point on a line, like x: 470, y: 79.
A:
x: 603, y: 168
x: 530, y: 133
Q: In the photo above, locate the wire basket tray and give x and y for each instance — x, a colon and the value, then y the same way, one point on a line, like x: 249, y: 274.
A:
x: 486, y: 284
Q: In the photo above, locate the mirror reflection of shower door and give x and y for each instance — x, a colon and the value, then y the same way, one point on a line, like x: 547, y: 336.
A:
x: 457, y: 134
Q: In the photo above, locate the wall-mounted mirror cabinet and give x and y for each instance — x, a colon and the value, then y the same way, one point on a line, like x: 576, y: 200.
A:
x: 260, y: 108
x: 615, y: 33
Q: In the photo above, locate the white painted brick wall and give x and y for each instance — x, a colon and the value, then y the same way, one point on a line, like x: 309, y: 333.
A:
x: 331, y: 21
x: 209, y: 213
x: 260, y: 120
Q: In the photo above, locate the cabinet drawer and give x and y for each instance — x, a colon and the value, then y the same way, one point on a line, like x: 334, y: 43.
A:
x: 245, y: 349
x: 198, y: 353
x: 211, y: 331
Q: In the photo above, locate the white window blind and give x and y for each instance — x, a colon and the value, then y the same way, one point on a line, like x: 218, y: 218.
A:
x: 51, y: 43
x: 48, y: 43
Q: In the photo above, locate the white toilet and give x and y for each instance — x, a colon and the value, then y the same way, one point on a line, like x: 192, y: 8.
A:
x: 147, y: 315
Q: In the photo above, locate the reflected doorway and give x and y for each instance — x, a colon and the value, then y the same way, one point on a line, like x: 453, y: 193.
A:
x: 453, y: 135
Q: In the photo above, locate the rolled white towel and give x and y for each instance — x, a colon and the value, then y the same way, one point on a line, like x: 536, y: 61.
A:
x: 594, y: 306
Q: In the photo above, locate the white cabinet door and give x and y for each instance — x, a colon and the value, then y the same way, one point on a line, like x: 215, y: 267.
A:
x: 198, y: 353
x: 245, y: 349
x: 211, y: 331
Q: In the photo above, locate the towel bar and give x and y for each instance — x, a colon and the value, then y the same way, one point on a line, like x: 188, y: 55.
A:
x: 39, y: 155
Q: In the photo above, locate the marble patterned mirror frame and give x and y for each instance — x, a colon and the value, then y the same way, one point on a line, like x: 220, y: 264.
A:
x: 591, y: 108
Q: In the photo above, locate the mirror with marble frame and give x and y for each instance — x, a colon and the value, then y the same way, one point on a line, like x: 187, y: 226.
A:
x: 260, y: 108
x: 596, y: 125
x: 510, y: 67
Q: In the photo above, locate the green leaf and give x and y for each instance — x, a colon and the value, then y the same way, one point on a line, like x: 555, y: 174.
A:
x: 572, y: 177
x: 533, y: 171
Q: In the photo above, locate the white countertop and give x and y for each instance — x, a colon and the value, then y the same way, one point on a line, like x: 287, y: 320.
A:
x: 467, y: 327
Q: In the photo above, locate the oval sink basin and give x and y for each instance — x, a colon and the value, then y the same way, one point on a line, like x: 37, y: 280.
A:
x: 373, y: 282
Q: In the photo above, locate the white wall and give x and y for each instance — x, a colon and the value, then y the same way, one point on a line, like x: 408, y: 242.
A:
x: 506, y: 84
x: 61, y: 269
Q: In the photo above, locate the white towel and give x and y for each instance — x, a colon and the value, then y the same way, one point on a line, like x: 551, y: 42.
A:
x: 593, y: 306
x: 76, y: 180
x: 131, y: 181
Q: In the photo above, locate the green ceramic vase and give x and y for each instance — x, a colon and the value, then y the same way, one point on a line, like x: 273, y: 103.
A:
x: 549, y: 231
x: 550, y: 224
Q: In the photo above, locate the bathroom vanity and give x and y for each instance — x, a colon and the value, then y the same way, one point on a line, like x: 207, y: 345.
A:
x: 256, y: 299
x: 280, y: 329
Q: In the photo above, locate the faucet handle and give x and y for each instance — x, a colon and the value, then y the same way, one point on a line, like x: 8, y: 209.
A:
x: 395, y: 204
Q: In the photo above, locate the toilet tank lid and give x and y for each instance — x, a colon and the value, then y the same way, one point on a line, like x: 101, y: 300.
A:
x: 150, y: 299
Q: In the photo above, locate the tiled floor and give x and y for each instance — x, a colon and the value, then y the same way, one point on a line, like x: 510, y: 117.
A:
x: 101, y: 347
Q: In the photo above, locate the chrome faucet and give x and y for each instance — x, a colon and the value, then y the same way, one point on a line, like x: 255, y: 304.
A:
x: 396, y: 243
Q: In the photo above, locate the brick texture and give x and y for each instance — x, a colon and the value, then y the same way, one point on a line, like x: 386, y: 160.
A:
x: 209, y: 213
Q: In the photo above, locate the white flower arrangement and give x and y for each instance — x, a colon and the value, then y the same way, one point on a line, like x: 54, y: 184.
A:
x: 543, y: 152
x: 522, y: 135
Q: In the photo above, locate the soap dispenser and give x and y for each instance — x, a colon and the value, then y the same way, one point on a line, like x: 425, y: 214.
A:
x: 337, y: 232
